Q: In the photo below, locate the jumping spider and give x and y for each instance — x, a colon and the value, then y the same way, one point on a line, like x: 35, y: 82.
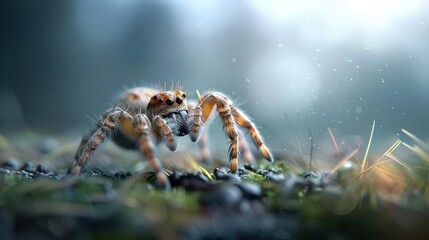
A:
x: 142, y: 115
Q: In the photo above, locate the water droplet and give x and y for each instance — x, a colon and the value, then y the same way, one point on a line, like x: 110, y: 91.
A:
x: 382, y: 80
x: 280, y: 45
x: 357, y: 66
x: 358, y: 110
x: 349, y: 60
x: 334, y: 69
x: 247, y: 80
x: 234, y: 60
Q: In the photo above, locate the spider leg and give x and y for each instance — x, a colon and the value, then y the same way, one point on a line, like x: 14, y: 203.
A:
x: 167, y: 132
x: 195, y: 121
x: 105, y: 127
x: 245, y: 122
x: 223, y: 104
x: 244, y: 147
x: 142, y: 129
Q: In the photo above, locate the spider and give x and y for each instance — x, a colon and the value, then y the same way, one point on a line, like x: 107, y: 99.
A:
x: 145, y: 116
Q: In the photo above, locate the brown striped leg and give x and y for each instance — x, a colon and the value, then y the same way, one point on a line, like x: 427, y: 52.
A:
x: 196, y: 124
x: 245, y: 122
x: 147, y: 148
x: 90, y: 142
x: 244, y: 148
x: 223, y: 105
x: 166, y: 131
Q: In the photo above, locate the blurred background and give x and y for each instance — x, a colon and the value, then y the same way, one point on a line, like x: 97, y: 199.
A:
x: 337, y: 64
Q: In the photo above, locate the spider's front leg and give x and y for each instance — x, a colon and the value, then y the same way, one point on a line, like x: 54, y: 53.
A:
x: 105, y: 127
x: 195, y: 120
x: 223, y: 104
x: 142, y: 129
x: 166, y: 132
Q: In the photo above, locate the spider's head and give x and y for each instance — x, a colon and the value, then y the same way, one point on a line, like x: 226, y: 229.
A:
x: 172, y: 106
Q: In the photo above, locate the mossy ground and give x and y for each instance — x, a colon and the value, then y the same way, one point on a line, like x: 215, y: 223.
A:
x: 390, y: 203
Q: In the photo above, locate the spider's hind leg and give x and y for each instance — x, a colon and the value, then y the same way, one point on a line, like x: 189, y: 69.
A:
x: 105, y: 127
x: 245, y: 122
x: 244, y: 147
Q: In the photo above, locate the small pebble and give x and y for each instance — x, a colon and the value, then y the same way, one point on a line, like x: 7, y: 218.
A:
x: 250, y: 190
x: 250, y: 167
x: 10, y: 163
x: 4, y: 171
x: 220, y: 174
x: 28, y: 166
x: 275, y: 177
x: 226, y: 195
x: 41, y: 168
x: 192, y: 181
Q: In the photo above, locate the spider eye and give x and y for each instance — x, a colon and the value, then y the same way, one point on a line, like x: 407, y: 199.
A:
x: 170, y: 101
x: 179, y: 100
x: 184, y: 95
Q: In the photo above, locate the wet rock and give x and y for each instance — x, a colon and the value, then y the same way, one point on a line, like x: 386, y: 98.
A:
x: 313, y: 179
x: 275, y: 177
x: 250, y: 167
x: 250, y: 190
x: 41, y: 168
x: 122, y: 175
x: 28, y: 166
x: 27, y: 175
x: 95, y: 172
x: 220, y: 174
x: 10, y: 163
x: 240, y: 172
x: 190, y: 181
x: 225, y: 195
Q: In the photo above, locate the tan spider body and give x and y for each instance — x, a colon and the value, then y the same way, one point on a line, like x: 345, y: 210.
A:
x: 143, y: 115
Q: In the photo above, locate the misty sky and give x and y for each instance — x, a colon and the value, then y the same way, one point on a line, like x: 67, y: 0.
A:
x: 337, y: 64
